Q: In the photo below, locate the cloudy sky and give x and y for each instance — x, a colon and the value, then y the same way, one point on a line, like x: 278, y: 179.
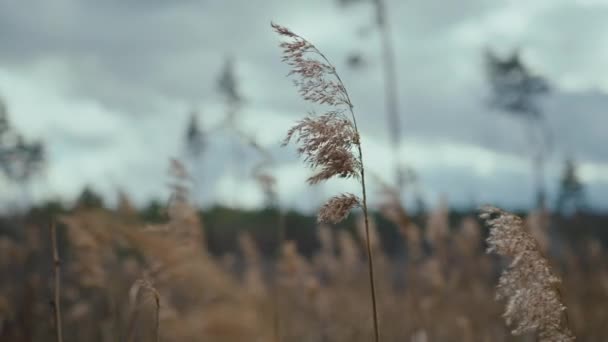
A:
x: 108, y: 86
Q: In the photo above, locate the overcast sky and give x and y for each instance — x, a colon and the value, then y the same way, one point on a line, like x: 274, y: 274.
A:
x: 108, y: 86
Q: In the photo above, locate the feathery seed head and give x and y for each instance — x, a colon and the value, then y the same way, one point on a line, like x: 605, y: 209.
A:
x: 337, y: 208
x: 326, y: 142
x: 317, y: 79
x: 528, y: 285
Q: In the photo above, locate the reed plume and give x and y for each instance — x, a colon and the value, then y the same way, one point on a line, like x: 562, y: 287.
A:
x: 328, y: 141
x: 534, y: 303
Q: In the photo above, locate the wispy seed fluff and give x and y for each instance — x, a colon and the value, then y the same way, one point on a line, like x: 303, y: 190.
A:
x: 326, y: 142
x: 528, y: 284
x: 338, y: 207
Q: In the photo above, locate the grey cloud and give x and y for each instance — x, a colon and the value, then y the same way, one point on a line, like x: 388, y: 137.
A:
x: 149, y: 62
x: 567, y: 41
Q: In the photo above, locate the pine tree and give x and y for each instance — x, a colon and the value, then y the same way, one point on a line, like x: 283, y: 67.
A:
x: 195, y: 142
x: 571, y: 196
x: 20, y: 160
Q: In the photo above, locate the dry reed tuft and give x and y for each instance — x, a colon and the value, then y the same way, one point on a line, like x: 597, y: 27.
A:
x: 534, y: 303
x: 327, y: 141
x: 201, y: 301
x: 337, y: 208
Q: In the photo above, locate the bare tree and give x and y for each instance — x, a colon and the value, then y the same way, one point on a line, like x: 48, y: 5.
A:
x: 20, y: 160
x: 515, y: 89
x: 195, y: 141
x: 228, y: 87
x: 391, y: 89
x: 571, y: 196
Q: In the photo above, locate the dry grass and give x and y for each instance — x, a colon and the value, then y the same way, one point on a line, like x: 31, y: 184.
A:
x: 434, y: 295
x: 127, y: 280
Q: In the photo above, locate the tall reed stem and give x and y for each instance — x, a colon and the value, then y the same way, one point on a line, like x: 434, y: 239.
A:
x: 316, y: 89
x: 369, y: 252
x: 370, y: 263
x: 57, y: 287
x: 277, y: 292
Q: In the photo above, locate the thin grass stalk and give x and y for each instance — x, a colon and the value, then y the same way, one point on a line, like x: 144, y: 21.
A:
x: 369, y: 253
x: 56, y: 304
x: 277, y: 294
x: 132, y: 328
x: 390, y: 89
x: 157, y: 327
x: 368, y: 245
